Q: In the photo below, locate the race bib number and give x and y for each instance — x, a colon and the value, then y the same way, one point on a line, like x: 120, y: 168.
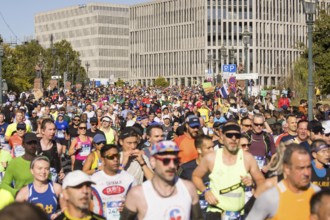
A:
x: 112, y: 210
x: 85, y: 150
x: 53, y: 174
x: 228, y: 215
x: 19, y: 151
x: 60, y: 134
x: 261, y: 161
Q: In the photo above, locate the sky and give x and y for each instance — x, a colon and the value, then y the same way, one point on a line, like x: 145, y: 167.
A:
x: 17, y: 16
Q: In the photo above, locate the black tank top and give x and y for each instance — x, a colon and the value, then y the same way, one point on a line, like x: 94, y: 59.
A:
x: 52, y: 155
x: 319, y: 179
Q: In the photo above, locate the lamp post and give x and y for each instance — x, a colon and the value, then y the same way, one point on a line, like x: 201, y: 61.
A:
x: 310, y: 10
x: 41, y: 63
x: 224, y: 55
x: 87, y: 68
x: 67, y: 67
x: 231, y: 55
x: 210, y: 67
x: 1, y: 55
x: 79, y: 63
x: 246, y: 35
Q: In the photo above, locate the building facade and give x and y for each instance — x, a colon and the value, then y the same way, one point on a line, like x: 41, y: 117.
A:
x: 183, y: 40
x: 99, y: 32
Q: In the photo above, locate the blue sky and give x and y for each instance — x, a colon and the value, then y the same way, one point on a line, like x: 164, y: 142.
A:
x: 17, y: 16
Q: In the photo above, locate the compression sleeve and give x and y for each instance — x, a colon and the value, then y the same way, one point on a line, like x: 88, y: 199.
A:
x: 265, y: 206
x: 127, y: 214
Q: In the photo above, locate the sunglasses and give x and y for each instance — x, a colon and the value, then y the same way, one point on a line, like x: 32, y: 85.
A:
x: 194, y: 127
x: 231, y: 135
x: 167, y: 161
x: 256, y: 124
x: 112, y: 157
x: 102, y: 142
x: 76, y: 120
x: 20, y: 129
x: 83, y: 128
x: 245, y: 145
x: 327, y: 135
x: 106, y: 121
x: 93, y: 124
x: 247, y: 126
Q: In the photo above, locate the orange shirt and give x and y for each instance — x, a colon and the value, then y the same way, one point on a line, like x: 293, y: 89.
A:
x: 187, y: 148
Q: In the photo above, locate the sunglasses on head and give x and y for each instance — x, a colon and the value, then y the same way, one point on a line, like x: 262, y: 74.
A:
x: 83, y: 128
x: 112, y: 157
x: 167, y: 161
x: 256, y: 124
x: 231, y: 135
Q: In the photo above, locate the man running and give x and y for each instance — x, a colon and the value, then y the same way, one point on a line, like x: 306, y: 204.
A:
x: 164, y: 196
x: 229, y: 169
x: 112, y: 184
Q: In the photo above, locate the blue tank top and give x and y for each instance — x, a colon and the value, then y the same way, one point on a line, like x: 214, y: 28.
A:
x: 47, y: 200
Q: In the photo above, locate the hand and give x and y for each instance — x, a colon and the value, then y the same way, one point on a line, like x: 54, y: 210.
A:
x: 247, y: 180
x: 138, y: 156
x: 210, y: 198
x: 61, y: 175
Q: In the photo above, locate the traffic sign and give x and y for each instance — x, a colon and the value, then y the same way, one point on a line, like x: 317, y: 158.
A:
x: 247, y: 76
x: 229, y: 68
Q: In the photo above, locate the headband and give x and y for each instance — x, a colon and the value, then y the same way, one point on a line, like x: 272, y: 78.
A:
x: 231, y: 127
x: 321, y: 147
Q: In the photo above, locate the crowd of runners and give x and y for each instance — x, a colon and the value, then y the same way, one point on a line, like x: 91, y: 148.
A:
x: 170, y: 153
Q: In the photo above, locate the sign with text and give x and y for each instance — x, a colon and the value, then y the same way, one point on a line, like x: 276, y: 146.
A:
x: 247, y: 76
x: 228, y: 70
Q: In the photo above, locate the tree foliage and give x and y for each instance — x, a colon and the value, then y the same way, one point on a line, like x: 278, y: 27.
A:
x: 20, y: 62
x: 321, y: 59
x: 161, y: 82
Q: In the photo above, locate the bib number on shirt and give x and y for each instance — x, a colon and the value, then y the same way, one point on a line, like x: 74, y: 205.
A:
x: 229, y: 215
x: 19, y: 151
x: 112, y: 209
x: 261, y: 161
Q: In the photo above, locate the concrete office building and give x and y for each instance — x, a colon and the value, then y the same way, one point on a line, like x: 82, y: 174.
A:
x: 99, y: 32
x: 182, y: 40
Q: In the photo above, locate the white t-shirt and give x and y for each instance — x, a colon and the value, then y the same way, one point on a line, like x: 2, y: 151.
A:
x: 110, y: 191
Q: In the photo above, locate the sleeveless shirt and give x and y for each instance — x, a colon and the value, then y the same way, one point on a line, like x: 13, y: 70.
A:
x: 86, y: 148
x: 46, y: 200
x: 224, y: 177
x: 320, y: 177
x: 177, y: 206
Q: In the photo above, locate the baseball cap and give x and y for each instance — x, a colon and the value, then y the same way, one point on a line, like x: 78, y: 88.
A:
x: 127, y: 132
x: 52, y: 107
x: 193, y: 121
x: 164, y: 147
x: 158, y: 111
x: 166, y: 117
x: 130, y: 123
x: 218, y: 124
x: 98, y: 138
x: 93, y: 119
x: 76, y: 178
x: 326, y: 126
x: 29, y: 137
x: 217, y: 112
x: 21, y: 126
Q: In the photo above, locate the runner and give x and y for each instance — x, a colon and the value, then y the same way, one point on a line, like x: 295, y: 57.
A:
x: 292, y: 193
x: 164, y: 196
x: 112, y: 184
x: 93, y: 162
x: 229, y: 169
x: 41, y: 192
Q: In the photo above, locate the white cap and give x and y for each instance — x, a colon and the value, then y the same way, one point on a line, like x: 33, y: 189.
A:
x: 166, y: 117
x: 76, y: 178
x: 52, y: 107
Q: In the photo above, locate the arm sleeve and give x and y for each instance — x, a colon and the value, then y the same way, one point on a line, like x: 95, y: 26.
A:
x: 8, y: 179
x: 265, y: 206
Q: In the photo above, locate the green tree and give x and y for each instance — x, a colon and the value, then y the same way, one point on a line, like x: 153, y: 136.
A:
x: 161, y: 82
x: 321, y: 59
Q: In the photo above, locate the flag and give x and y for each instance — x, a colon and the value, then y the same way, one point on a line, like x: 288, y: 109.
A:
x: 224, y: 91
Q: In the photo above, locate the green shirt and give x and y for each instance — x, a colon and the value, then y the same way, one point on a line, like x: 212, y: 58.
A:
x: 4, y: 157
x: 18, y: 172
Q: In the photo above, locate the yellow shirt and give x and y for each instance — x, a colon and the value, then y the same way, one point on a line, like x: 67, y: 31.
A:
x: 12, y: 127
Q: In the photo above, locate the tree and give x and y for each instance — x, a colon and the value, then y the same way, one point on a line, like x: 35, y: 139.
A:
x: 19, y: 63
x: 321, y: 59
x: 161, y: 82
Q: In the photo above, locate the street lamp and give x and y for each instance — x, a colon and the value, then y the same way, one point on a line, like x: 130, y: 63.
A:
x: 231, y: 55
x: 79, y: 64
x: 67, y: 67
x: 1, y: 55
x: 223, y: 52
x: 246, y: 35
x: 210, y: 60
x: 87, y: 68
x: 310, y: 10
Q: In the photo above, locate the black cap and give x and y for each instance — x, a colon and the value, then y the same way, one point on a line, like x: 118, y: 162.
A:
x: 217, y: 112
x: 29, y: 137
x: 315, y: 126
x: 128, y: 132
x: 217, y: 124
x: 93, y: 119
x: 21, y: 126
